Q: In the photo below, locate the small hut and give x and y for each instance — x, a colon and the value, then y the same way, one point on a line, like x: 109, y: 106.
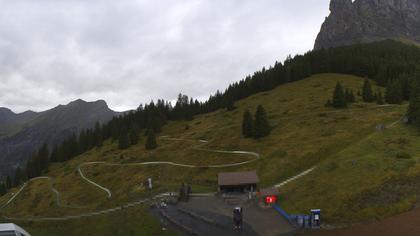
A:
x: 238, y: 182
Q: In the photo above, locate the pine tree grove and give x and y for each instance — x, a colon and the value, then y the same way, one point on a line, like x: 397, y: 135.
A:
x: 413, y: 112
x: 393, y: 93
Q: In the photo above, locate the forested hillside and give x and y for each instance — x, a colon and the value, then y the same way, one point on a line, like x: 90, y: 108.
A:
x: 389, y: 63
x: 303, y: 133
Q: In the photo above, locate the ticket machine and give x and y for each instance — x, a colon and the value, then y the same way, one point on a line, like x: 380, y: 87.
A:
x: 316, y: 218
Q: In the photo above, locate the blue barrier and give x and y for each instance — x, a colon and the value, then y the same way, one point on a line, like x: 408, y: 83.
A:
x: 282, y: 212
x: 299, y: 220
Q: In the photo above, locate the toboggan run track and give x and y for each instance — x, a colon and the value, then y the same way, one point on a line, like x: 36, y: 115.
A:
x: 109, y: 193
x: 255, y: 156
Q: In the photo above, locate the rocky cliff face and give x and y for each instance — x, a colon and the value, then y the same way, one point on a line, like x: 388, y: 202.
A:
x: 363, y: 21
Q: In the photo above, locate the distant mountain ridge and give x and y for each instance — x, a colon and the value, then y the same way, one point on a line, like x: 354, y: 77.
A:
x: 11, y: 122
x: 364, y: 21
x: 21, y: 134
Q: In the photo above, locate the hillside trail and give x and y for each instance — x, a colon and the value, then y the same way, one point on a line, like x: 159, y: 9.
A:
x: 255, y: 156
x: 314, y: 167
x: 51, y: 182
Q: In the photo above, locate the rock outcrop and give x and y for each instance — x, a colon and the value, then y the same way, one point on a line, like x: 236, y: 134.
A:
x: 364, y: 21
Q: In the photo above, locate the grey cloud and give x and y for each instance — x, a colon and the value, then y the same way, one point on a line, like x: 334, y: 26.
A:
x: 129, y: 52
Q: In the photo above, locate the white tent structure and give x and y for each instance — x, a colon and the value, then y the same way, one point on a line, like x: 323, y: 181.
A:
x: 12, y: 230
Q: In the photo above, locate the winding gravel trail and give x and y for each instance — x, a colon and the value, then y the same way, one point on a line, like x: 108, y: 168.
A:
x: 295, y: 177
x: 255, y: 156
x: 57, y: 194
x: 51, y: 182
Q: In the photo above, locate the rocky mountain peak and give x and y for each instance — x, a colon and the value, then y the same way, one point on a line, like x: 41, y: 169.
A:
x: 82, y: 103
x: 363, y: 21
x: 340, y: 5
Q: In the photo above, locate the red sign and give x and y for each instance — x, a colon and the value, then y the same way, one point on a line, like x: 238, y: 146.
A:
x: 270, y: 199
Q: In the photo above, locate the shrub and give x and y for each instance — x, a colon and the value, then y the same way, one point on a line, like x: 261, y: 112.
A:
x: 402, y: 155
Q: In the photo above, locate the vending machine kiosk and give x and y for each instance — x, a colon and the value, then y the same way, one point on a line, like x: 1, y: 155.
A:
x: 316, y: 218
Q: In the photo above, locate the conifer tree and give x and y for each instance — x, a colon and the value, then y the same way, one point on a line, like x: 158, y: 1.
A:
x: 339, y: 97
x: 406, y: 83
x: 379, y: 98
x: 261, y: 125
x: 8, y: 183
x: 367, y: 93
x: 413, y: 112
x: 230, y: 103
x: 151, y: 140
x: 43, y: 157
x: 18, y: 177
x: 123, y: 140
x: 97, y: 135
x: 54, y: 154
x: 247, y: 124
x: 3, y: 189
x: 134, y: 134
x: 393, y: 93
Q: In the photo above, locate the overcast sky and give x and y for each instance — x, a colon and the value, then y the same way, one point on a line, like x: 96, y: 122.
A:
x: 128, y: 52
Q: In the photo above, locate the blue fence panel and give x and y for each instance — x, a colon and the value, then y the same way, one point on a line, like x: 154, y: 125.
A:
x: 282, y: 212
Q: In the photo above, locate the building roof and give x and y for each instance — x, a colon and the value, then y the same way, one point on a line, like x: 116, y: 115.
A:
x: 237, y: 178
x: 269, y: 192
x: 12, y: 227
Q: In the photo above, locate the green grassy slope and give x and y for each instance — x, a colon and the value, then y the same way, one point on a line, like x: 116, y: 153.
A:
x: 131, y: 222
x: 305, y: 134
x: 350, y: 185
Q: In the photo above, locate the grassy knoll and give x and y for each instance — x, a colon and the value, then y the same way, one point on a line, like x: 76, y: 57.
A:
x: 355, y: 184
x: 305, y: 133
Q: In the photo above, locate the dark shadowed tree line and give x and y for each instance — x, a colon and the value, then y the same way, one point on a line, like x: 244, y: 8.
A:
x: 396, y: 92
